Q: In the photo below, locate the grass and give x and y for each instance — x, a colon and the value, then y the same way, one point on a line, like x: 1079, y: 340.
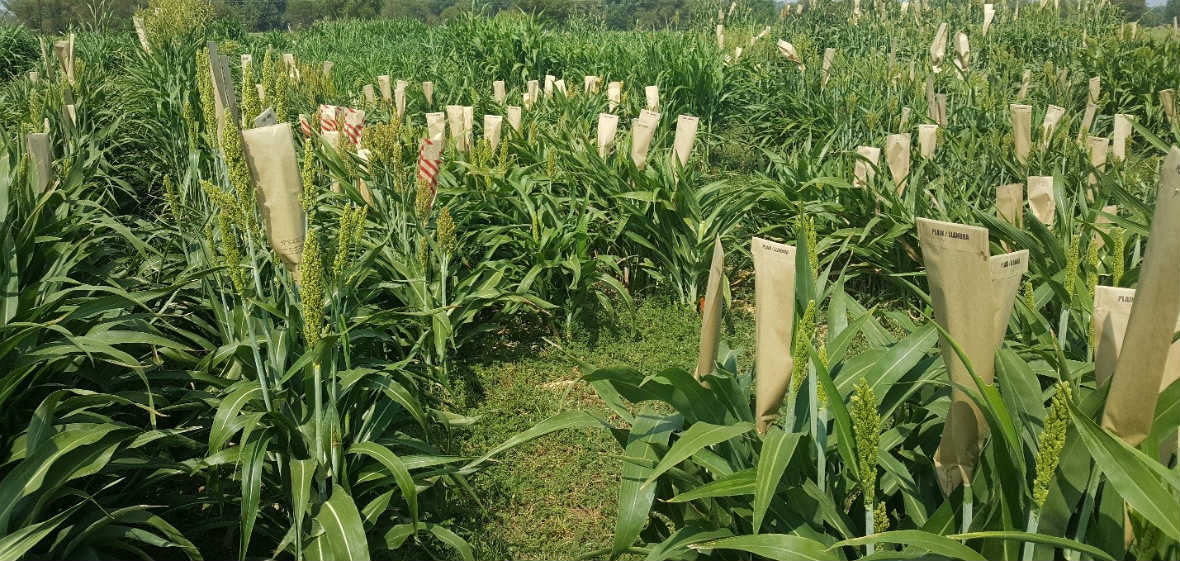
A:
x: 555, y: 498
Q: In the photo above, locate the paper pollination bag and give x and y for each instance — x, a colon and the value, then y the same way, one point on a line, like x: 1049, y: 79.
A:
x: 1168, y: 102
x: 1025, y: 82
x: 1095, y: 90
x: 532, y: 91
x: 686, y: 137
x: 1010, y: 203
x: 384, y: 85
x: 720, y: 36
x: 608, y: 124
x: 1053, y: 114
x: 614, y: 94
x: 652, y: 97
x: 905, y: 119
x: 1112, y: 308
x: 141, y: 32
x: 826, y: 68
x: 72, y: 113
x: 428, y: 93
x: 641, y: 135
x: 1040, y: 199
x: 289, y: 64
x: 455, y: 125
x: 1006, y: 270
x: 354, y: 123
x: 962, y: 51
x: 399, y: 98
x: 774, y: 314
x: 590, y: 84
x: 549, y: 81
x: 436, y: 124
x: 865, y: 168
x: 1098, y: 147
x: 247, y: 59
x: 1087, y: 121
x: 927, y: 140
x: 362, y: 186
x: 1118, y: 138
x: 270, y: 153
x: 1102, y: 224
x: 989, y: 13
x: 897, y: 155
x: 40, y: 157
x: 64, y: 51
x: 514, y: 117
x: 34, y: 76
x: 370, y: 94
x: 938, y: 49
x: 559, y: 85
x: 326, y: 68
x: 1021, y: 130
x: 958, y: 270
x: 940, y: 109
x: 711, y: 313
x: 468, y: 127
x: 788, y: 50
x: 498, y: 92
x: 491, y: 129
x: 1143, y: 363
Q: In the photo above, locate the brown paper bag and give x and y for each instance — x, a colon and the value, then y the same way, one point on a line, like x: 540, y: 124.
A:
x: 788, y: 50
x: 531, y: 94
x: 1118, y: 138
x: 1102, y: 224
x: 1025, y: 82
x: 774, y: 315
x: 498, y: 92
x: 1021, y: 130
x: 927, y: 139
x: 361, y: 185
x: 1112, y: 308
x: 1098, y: 148
x: 514, y: 117
x: 560, y: 87
x: 614, y: 94
x: 641, y: 135
x: 370, y: 94
x: 491, y: 129
x: 989, y: 13
x: 938, y: 49
x: 384, y: 84
x: 590, y: 84
x: 72, y: 113
x: 549, y: 80
x: 865, y: 168
x: 399, y: 98
x: 711, y: 313
x: 40, y: 157
x: 686, y: 137
x: 940, y: 106
x: 897, y: 155
x: 1168, y: 102
x: 826, y: 68
x: 428, y: 92
x: 289, y: 64
x: 456, y: 127
x: 1087, y: 121
x: 652, y: 95
x: 931, y: 101
x: 962, y: 51
x: 1006, y: 273
x: 1010, y: 203
x: 270, y: 153
x: 1040, y: 199
x: 905, y: 119
x: 1053, y: 116
x: 608, y: 123
x: 468, y: 127
x: 435, y: 124
x: 64, y: 50
x: 1134, y: 388
x: 958, y: 271
x: 1095, y: 90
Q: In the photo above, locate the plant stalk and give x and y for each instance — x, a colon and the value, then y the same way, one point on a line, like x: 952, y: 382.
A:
x: 870, y: 526
x: 1034, y: 520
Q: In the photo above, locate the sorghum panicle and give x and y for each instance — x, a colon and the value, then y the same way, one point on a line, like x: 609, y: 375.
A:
x: 445, y: 231
x: 866, y: 427
x: 311, y: 290
x: 1051, y: 442
x: 1118, y: 254
x: 1072, y: 260
x: 804, y: 331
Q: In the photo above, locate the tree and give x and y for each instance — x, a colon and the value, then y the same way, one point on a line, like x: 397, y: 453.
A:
x: 1133, y: 9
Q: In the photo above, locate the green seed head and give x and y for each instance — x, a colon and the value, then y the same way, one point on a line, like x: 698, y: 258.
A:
x: 804, y: 332
x: 1051, y: 442
x: 1072, y: 259
x: 1118, y: 255
x: 866, y: 427
x: 311, y: 290
x: 445, y: 231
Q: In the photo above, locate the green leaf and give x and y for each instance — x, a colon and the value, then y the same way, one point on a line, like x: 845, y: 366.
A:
x: 344, y: 535
x: 252, y: 459
x: 682, y: 539
x: 14, y: 546
x: 736, y: 483
x: 396, y: 467
x: 560, y: 421
x: 1136, y: 476
x: 934, y: 543
x: 301, y: 473
x: 1055, y: 541
x: 780, y: 547
x: 635, y: 501
x: 698, y: 436
x: 452, y: 539
x: 777, y: 450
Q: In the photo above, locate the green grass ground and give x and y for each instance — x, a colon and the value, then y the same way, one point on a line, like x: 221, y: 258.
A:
x: 555, y: 497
